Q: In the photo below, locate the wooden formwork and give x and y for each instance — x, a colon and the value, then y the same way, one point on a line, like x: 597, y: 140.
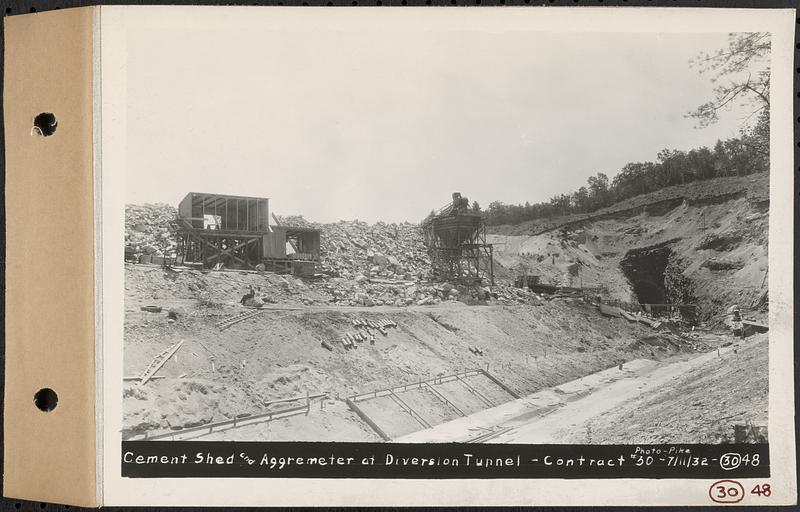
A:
x: 209, y: 428
x: 428, y: 385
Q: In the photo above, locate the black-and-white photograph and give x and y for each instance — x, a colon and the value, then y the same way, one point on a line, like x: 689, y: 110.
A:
x: 445, y: 236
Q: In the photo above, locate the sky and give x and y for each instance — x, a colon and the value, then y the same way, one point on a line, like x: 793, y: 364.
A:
x: 385, y: 126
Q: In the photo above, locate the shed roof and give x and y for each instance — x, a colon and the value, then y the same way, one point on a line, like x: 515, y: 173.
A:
x: 205, y: 195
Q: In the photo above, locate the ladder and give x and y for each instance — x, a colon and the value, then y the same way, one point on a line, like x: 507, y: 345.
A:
x: 158, y: 362
x: 239, y: 317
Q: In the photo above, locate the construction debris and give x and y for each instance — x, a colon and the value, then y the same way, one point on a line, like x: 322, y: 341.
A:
x: 365, y: 331
x: 611, y: 311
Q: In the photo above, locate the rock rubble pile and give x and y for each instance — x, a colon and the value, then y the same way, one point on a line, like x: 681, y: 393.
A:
x: 150, y: 230
x: 361, y: 251
x: 387, y: 265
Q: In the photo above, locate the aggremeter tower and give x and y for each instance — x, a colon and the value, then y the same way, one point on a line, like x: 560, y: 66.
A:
x: 455, y: 237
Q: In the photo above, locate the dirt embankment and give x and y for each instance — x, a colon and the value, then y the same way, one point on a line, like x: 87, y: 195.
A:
x: 707, y: 247
x: 219, y: 374
x: 698, y: 407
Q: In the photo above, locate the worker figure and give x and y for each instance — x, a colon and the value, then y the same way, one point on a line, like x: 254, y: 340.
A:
x: 737, y: 323
x: 249, y: 295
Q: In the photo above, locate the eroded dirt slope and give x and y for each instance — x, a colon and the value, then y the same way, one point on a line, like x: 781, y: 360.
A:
x: 712, y: 247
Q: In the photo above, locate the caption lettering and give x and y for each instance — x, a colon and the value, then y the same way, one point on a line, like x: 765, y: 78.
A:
x: 148, y: 459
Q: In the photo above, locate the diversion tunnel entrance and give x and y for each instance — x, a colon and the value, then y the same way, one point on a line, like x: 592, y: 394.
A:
x: 645, y: 269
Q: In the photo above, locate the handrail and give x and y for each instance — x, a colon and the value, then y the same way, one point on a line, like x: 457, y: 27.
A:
x: 233, y: 421
x: 415, y: 385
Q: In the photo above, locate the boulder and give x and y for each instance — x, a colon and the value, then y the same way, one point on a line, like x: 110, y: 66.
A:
x: 254, y: 302
x: 363, y: 299
x: 380, y: 260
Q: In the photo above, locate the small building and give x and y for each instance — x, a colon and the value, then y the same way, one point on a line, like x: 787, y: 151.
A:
x: 304, y: 242
x: 225, y: 213
x: 224, y: 231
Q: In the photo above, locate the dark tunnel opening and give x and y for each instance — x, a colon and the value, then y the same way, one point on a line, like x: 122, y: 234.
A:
x: 645, y: 268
